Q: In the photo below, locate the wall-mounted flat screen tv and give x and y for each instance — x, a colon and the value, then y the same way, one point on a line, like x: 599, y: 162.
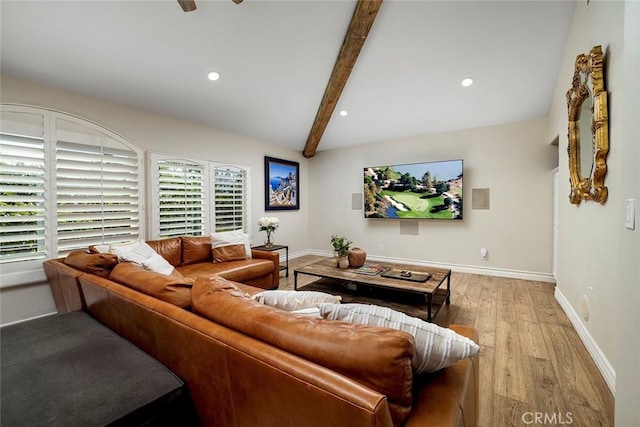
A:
x: 429, y: 190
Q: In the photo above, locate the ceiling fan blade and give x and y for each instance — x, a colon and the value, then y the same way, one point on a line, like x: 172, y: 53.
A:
x: 187, y: 5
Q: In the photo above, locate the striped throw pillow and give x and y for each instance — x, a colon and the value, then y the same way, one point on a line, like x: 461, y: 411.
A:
x: 435, y: 347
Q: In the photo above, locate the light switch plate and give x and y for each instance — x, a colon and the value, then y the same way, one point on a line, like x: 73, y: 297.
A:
x: 630, y: 214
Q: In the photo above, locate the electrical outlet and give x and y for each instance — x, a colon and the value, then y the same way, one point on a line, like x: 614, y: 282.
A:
x: 381, y: 247
x: 585, y: 308
x: 587, y: 302
x: 630, y: 214
x: 484, y: 253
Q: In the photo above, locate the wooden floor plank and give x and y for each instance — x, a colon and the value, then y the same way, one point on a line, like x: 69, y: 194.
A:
x: 487, y: 316
x: 531, y: 358
x: 487, y: 392
x: 548, y: 397
x: 547, y: 308
x: 526, y: 313
x: 509, y: 412
x: 520, y: 293
x: 511, y: 372
x: 532, y: 340
x: 597, y: 384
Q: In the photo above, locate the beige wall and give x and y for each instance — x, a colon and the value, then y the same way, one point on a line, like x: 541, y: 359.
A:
x: 595, y: 249
x: 627, y: 316
x: 588, y: 232
x: 152, y: 132
x: 514, y: 161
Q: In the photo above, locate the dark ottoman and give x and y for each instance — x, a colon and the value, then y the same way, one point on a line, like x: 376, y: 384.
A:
x: 70, y: 370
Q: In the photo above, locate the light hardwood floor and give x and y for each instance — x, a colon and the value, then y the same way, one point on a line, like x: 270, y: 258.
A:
x: 534, y: 370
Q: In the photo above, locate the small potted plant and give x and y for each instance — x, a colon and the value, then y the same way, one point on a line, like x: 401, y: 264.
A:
x: 341, y: 247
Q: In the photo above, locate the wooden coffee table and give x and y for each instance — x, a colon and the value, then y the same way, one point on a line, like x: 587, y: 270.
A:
x: 431, y: 288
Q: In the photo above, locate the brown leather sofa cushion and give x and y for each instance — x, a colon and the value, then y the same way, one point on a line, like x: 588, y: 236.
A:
x: 379, y: 358
x: 196, y: 249
x: 170, y: 249
x: 238, y: 271
x: 174, y: 288
x: 229, y: 253
x: 94, y: 263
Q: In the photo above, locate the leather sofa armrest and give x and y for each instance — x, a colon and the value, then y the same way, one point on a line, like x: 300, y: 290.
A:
x: 64, y: 285
x: 273, y: 256
x: 449, y: 397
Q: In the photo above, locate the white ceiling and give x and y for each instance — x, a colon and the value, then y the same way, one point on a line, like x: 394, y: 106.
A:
x: 276, y: 57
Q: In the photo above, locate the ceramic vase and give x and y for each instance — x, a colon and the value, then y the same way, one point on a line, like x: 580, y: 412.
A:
x: 357, y: 257
x: 343, y: 262
x: 335, y: 260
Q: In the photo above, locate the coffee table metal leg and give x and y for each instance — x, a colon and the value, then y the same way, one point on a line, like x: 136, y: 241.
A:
x: 448, y: 300
x: 295, y: 280
x: 429, y: 301
x: 287, y: 251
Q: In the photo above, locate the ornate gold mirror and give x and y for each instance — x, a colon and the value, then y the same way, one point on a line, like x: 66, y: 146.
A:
x: 588, y: 129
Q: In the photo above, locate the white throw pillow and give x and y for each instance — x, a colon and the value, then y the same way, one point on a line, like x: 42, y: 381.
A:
x: 231, y: 238
x: 140, y: 253
x: 122, y: 249
x: 295, y: 300
x: 158, y: 264
x: 435, y: 347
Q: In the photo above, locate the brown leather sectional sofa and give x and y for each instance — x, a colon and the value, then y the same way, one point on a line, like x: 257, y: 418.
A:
x: 191, y: 257
x: 247, y: 364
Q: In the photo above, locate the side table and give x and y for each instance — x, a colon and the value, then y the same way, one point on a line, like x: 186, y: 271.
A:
x: 276, y: 248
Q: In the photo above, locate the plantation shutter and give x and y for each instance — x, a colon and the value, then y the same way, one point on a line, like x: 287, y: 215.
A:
x: 22, y: 187
x: 230, y: 198
x: 97, y: 188
x: 181, y: 197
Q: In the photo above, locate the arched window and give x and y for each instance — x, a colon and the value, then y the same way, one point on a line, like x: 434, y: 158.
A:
x: 65, y: 183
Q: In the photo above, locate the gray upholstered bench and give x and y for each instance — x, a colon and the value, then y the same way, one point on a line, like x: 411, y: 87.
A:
x: 69, y: 369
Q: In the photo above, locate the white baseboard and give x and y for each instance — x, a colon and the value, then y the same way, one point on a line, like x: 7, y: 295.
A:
x: 30, y: 318
x: 605, y: 368
x: 459, y: 268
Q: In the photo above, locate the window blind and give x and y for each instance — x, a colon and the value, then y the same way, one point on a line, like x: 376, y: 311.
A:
x: 97, y: 195
x: 230, y: 198
x: 181, y: 198
x: 22, y: 187
x: 194, y: 197
x: 65, y: 183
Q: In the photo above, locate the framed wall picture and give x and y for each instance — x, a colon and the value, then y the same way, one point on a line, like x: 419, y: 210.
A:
x: 281, y: 184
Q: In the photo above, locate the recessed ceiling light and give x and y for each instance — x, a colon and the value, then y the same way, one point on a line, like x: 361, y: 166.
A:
x: 214, y: 75
x: 467, y: 81
x: 343, y: 113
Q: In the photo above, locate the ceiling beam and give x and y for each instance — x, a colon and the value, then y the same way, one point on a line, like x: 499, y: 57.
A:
x: 361, y: 22
x: 187, y: 5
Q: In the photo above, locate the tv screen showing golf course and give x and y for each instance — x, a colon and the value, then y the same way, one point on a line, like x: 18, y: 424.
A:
x: 429, y: 190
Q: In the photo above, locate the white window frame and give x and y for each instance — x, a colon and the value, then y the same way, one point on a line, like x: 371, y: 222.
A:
x: 153, y: 159
x: 247, y: 195
x: 30, y: 271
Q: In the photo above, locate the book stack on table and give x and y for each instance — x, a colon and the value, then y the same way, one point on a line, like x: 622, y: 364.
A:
x: 370, y: 269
